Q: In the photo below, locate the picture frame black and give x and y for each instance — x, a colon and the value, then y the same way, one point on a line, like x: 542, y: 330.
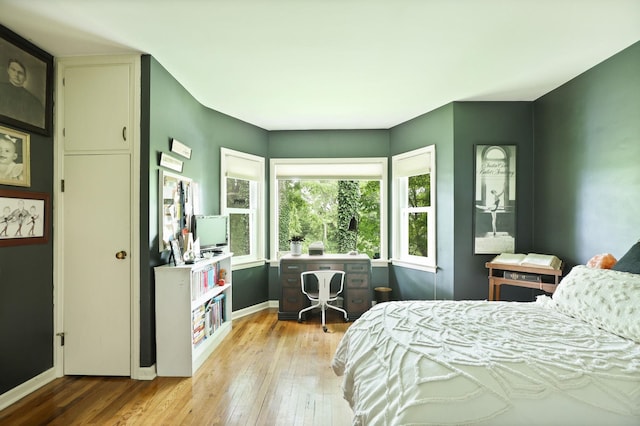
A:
x: 15, y: 157
x: 176, y: 253
x: 26, y: 84
x: 494, y: 198
x: 24, y: 217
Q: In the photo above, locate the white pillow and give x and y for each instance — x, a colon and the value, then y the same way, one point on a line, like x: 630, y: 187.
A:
x: 605, y: 298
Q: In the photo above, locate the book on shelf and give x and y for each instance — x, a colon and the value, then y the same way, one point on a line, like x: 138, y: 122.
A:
x: 547, y: 261
x: 519, y: 276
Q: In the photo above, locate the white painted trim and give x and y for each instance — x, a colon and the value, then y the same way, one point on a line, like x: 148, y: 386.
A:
x: 398, y: 241
x: 247, y: 265
x: 58, y: 201
x: 136, y: 371
x: 257, y: 239
x: 254, y: 308
x: 412, y: 265
x: 147, y: 373
x: 24, y: 389
x: 382, y: 162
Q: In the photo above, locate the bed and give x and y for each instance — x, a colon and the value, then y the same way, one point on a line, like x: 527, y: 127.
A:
x: 573, y: 359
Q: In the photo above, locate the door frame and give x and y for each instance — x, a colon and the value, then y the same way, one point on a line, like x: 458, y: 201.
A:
x: 136, y: 372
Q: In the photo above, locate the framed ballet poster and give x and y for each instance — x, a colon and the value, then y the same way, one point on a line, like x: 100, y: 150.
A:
x: 24, y: 217
x: 494, y: 199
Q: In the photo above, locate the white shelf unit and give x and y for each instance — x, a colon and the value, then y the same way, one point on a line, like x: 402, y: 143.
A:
x: 182, y: 296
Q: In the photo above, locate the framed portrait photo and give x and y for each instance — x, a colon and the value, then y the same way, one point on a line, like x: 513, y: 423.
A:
x: 494, y: 218
x: 24, y: 217
x: 15, y: 161
x: 26, y: 84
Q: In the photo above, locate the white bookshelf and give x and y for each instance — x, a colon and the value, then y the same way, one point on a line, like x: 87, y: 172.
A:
x: 185, y: 296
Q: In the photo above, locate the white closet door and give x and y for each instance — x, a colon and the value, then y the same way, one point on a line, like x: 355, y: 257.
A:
x: 97, y: 226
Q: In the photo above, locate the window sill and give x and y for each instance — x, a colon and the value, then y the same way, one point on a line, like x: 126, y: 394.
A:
x: 246, y: 264
x: 375, y: 263
x: 414, y: 265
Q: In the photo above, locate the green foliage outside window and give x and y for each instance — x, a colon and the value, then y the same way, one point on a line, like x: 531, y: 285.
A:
x: 419, y: 192
x: 322, y: 210
x: 238, y: 197
x: 239, y: 243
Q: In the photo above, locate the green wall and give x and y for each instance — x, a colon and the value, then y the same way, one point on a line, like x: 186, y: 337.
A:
x: 489, y: 123
x: 26, y: 286
x: 433, y: 128
x: 328, y: 143
x: 174, y: 113
x: 587, y: 162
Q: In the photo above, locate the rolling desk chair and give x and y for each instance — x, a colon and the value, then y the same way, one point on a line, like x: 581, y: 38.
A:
x: 323, y: 295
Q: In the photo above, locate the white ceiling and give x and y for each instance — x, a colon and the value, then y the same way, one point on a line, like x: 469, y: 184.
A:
x: 341, y: 64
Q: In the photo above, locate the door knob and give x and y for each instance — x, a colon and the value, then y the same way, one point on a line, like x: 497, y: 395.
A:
x: 121, y: 255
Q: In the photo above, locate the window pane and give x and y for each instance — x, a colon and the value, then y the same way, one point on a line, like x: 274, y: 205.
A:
x: 237, y: 193
x: 313, y: 209
x: 239, y: 234
x: 420, y: 190
x: 418, y: 234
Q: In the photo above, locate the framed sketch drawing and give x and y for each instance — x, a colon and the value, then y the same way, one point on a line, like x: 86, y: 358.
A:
x: 15, y: 160
x: 24, y: 217
x: 26, y: 84
x: 494, y: 216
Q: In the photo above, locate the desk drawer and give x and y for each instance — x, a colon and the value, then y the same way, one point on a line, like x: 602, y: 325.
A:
x: 291, y: 280
x: 358, y: 267
x: 292, y: 268
x: 325, y: 267
x: 293, y: 300
x: 357, y: 301
x: 357, y: 281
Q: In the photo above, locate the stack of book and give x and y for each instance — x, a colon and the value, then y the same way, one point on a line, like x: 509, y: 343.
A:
x: 203, y: 280
x: 198, y: 320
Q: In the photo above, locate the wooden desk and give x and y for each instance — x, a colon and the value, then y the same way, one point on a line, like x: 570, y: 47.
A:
x: 549, y: 278
x: 357, y: 282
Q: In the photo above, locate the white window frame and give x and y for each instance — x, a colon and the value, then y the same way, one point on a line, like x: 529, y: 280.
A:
x: 413, y: 163
x: 373, y: 168
x: 240, y: 165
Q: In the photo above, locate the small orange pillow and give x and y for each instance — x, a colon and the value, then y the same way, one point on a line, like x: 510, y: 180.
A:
x: 602, y: 261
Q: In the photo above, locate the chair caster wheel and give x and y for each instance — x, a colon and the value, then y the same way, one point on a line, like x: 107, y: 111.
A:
x: 324, y: 329
x: 300, y: 320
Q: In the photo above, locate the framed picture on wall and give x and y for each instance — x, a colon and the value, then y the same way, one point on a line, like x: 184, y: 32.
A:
x: 24, y: 218
x: 494, y: 218
x: 176, y: 203
x: 26, y: 84
x: 15, y: 160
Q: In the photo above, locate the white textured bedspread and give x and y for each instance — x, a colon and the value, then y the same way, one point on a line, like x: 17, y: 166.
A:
x: 493, y: 363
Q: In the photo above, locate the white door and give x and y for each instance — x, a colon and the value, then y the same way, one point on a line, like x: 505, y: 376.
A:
x: 97, y: 272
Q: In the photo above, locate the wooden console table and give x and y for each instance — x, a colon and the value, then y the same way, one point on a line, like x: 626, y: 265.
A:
x: 549, y: 278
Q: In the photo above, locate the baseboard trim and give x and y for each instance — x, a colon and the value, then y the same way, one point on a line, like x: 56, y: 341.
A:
x: 24, y: 389
x: 255, y: 308
x: 146, y: 373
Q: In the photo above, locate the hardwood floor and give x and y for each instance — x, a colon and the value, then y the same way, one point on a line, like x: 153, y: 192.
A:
x: 266, y: 372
